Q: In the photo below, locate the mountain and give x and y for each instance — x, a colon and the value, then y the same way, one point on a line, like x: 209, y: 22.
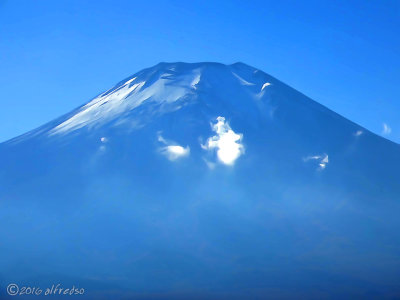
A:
x: 202, y: 181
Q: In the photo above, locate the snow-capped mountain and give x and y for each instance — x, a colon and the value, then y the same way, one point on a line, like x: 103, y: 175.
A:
x: 202, y: 181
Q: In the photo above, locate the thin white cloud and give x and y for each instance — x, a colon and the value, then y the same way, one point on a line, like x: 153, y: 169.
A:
x: 209, y: 164
x: 226, y: 142
x: 386, y: 129
x: 322, y: 160
x: 172, y: 150
x: 311, y: 157
x: 103, y: 141
x: 358, y: 132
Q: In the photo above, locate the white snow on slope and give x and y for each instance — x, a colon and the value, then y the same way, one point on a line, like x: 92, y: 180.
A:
x: 99, y: 108
x: 128, y: 96
x: 322, y: 160
x: 195, y: 81
x: 130, y: 80
x: 226, y: 141
x: 265, y: 85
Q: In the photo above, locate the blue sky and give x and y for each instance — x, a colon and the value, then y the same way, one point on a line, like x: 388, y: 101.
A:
x: 57, y: 55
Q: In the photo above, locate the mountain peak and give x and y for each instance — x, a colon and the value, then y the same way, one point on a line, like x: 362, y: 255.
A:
x: 166, y: 87
x: 211, y: 89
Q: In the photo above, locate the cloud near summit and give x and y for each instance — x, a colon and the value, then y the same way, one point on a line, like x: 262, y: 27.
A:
x: 226, y: 142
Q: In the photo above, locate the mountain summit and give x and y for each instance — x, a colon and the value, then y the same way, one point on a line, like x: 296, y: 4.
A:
x: 202, y: 180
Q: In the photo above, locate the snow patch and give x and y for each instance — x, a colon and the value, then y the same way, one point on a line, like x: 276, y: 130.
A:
x: 195, y: 81
x: 226, y: 142
x: 130, y: 80
x: 322, y: 160
x: 265, y: 85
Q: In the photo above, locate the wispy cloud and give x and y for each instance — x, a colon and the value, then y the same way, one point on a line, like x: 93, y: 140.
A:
x: 172, y: 150
x: 386, y: 129
x: 358, y: 132
x: 103, y: 141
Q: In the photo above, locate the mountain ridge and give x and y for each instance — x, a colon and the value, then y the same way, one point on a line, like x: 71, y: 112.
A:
x: 168, y: 65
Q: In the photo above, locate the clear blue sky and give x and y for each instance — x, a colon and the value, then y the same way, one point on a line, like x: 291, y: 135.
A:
x: 57, y: 55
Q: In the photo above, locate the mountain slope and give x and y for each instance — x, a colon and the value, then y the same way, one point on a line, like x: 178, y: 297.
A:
x: 202, y: 180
